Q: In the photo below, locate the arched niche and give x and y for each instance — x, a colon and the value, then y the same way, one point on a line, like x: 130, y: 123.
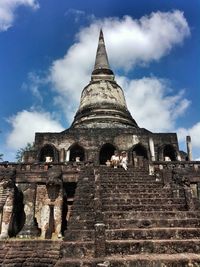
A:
x: 169, y: 153
x: 140, y: 151
x: 18, y: 217
x: 77, y: 153
x: 48, y: 152
x: 106, y: 152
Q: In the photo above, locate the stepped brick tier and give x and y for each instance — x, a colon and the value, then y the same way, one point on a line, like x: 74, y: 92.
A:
x: 65, y: 206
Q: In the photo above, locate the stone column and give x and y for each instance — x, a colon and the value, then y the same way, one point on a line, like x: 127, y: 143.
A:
x: 198, y: 190
x: 58, y: 216
x: 178, y: 156
x: 189, y: 147
x: 100, y: 236
x: 152, y: 150
x: 100, y: 244
x: 6, y: 215
x: 62, y: 155
x: 189, y: 198
x: 29, y: 229
x: 68, y: 155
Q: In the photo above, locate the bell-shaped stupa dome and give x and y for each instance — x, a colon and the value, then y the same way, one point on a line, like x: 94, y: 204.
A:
x: 102, y: 103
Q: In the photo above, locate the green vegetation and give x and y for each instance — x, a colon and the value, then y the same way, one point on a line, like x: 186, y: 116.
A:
x: 21, y: 151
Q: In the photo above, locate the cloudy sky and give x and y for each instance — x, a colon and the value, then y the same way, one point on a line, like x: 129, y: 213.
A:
x: 47, y: 53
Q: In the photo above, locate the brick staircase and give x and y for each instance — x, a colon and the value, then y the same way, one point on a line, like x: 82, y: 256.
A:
x: 3, y: 196
x: 146, y: 223
x: 29, y: 253
x: 79, y: 239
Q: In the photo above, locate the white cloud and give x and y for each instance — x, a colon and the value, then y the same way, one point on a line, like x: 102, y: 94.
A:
x: 194, y: 132
x: 151, y: 104
x: 34, y: 84
x: 144, y: 40
x: 129, y: 42
x: 76, y: 13
x: 8, y: 9
x: 26, y: 123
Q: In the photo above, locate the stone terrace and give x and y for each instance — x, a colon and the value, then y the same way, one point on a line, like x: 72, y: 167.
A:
x: 37, y: 253
x: 132, y: 219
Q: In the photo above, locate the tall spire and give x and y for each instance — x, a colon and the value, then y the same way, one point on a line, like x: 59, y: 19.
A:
x: 101, y: 61
x: 101, y: 67
x: 103, y: 104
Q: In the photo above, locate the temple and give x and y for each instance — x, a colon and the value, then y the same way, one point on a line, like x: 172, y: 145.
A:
x: 64, y: 205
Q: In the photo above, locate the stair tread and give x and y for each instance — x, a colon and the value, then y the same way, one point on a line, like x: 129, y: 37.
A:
x: 154, y: 256
x: 185, y: 212
x: 153, y: 229
x: 153, y: 240
x: 141, y: 256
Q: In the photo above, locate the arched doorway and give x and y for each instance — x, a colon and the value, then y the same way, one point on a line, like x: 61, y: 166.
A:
x: 140, y: 151
x: 77, y: 153
x: 18, y: 217
x: 48, y: 151
x: 106, y: 152
x: 169, y: 153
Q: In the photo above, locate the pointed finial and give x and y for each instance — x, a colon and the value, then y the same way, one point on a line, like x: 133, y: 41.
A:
x: 101, y: 35
x: 101, y: 61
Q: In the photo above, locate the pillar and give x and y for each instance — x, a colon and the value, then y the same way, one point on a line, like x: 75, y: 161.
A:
x: 178, y: 156
x: 30, y: 229
x: 189, y: 198
x: 62, y: 155
x: 68, y: 155
x: 189, y: 147
x: 6, y: 215
x: 152, y: 150
x: 100, y: 240
x: 198, y: 190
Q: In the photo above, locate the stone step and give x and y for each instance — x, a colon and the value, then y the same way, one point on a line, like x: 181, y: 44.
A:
x: 127, y: 179
x: 144, y: 207
x: 82, y: 208
x: 3, y: 197
x: 134, y: 190
x: 132, y: 186
x: 29, y: 253
x: 150, y: 214
x: 84, y: 225
x: 79, y: 209
x: 122, y: 171
x: 130, y: 247
x: 79, y: 235
x: 82, y: 191
x: 130, y: 179
x: 130, y: 201
x: 79, y: 249
x: 153, y: 233
x: 151, y: 222
x: 86, y: 182
x: 141, y: 201
x: 137, y: 260
x: 81, y: 224
x: 164, y: 193
x: 131, y: 197
x: 85, y: 202
x: 126, y: 176
x: 137, y: 195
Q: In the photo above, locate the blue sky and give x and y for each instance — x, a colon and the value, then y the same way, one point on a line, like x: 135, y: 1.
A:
x: 47, y: 53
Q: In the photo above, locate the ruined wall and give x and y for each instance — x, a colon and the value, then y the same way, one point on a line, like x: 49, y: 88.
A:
x: 31, y: 198
x: 93, y: 139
